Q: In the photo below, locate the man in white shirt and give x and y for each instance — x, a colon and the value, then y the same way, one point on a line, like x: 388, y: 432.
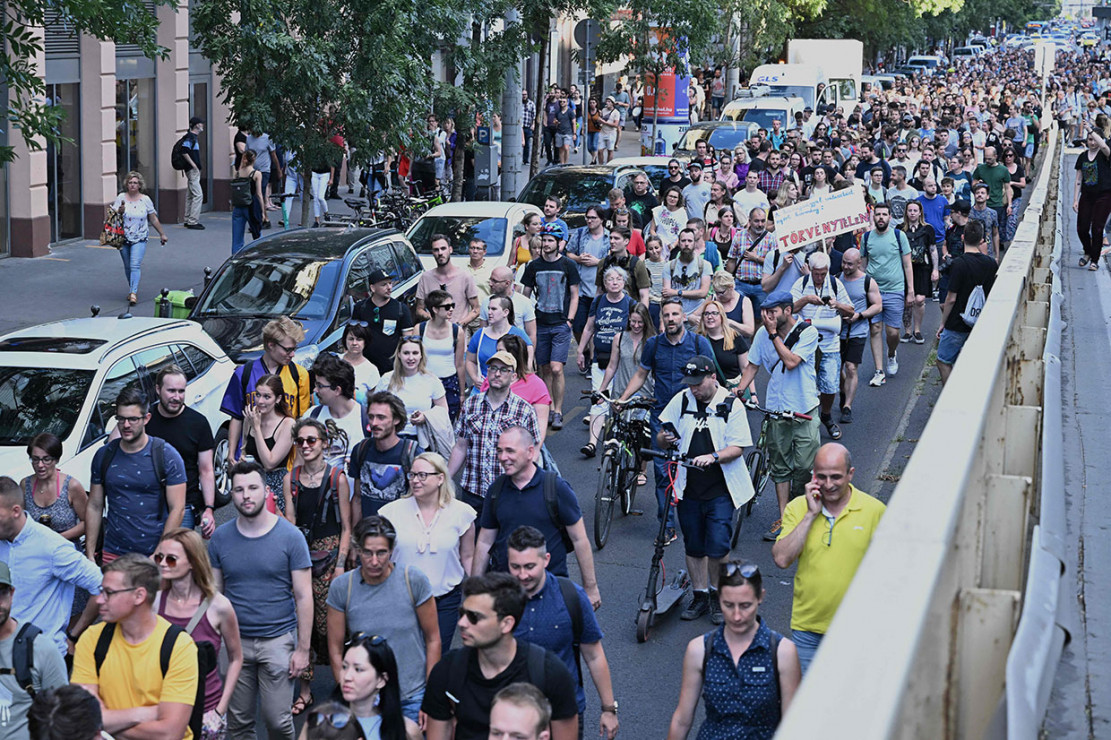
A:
x: 335, y: 387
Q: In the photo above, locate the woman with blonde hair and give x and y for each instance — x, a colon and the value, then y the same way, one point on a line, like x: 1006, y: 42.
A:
x: 410, y: 381
x: 435, y: 534
x: 787, y: 195
x: 730, y: 348
x: 139, y: 215
x: 189, y: 599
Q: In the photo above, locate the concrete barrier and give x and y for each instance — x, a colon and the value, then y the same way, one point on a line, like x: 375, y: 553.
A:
x: 919, y: 646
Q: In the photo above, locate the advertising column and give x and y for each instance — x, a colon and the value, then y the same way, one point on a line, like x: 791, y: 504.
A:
x: 666, y: 113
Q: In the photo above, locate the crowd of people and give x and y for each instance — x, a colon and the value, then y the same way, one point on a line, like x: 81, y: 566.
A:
x: 398, y: 497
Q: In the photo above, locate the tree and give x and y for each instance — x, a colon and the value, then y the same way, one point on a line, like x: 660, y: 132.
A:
x: 659, y: 36
x: 306, y: 70
x: 124, y: 21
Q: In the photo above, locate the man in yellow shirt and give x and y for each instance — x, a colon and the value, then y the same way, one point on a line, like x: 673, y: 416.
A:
x: 827, y: 531
x: 119, y: 661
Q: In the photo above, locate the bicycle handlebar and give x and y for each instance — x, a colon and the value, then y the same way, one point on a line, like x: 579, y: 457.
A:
x: 672, y: 456
x: 777, y: 414
x: 632, y: 403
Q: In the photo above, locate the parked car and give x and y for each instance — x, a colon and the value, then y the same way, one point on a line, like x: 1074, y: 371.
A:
x: 494, y: 222
x: 315, y: 276
x: 580, y: 186
x: 63, y: 378
x: 762, y: 111
x: 721, y: 135
x: 967, y: 52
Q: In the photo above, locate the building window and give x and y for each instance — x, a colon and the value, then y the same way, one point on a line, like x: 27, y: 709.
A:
x: 135, y: 138
x: 63, y: 166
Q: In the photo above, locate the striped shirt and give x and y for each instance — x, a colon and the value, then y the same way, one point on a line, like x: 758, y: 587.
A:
x: 748, y: 270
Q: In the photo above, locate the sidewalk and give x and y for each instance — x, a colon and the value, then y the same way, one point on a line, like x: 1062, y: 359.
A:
x: 1080, y: 703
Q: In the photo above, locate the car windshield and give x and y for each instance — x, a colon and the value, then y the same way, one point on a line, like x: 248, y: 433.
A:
x: 460, y: 230
x: 576, y: 190
x: 806, y: 92
x: 299, y: 285
x: 763, y: 117
x: 40, y: 399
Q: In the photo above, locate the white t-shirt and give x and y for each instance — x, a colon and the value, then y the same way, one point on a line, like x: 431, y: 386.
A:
x: 348, y: 433
x: 366, y: 378
x: 744, y: 202
x: 433, y: 549
x: 417, y: 392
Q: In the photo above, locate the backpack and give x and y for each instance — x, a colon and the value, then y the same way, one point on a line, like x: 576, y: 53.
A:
x: 177, y: 155
x: 551, y: 503
x: 241, y: 192
x: 574, y: 608
x: 457, y: 661
x: 454, y: 331
x: 329, y: 498
x: 158, y: 460
x: 898, y: 234
x: 294, y: 373
x: 206, y: 660
x: 358, y: 455
x: 975, y: 305
x: 23, y: 657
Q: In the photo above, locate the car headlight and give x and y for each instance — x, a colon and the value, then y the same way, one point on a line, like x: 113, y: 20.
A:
x: 306, y: 356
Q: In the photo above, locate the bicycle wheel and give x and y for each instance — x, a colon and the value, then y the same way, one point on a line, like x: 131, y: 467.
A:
x: 609, y: 487
x: 757, y: 463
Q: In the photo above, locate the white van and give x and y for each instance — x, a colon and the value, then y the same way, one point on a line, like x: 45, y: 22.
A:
x: 927, y: 64
x: 762, y: 111
x: 806, y: 81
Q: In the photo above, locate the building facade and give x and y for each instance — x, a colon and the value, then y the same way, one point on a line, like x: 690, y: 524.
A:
x: 123, y: 112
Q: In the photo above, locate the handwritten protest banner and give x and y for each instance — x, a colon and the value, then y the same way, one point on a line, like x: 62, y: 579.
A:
x: 827, y: 214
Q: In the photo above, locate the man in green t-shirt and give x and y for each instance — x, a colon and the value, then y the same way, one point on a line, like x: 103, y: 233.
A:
x: 886, y: 254
x: 998, y: 179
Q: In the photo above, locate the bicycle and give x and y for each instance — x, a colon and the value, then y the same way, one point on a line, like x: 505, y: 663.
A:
x: 757, y: 462
x: 622, y: 437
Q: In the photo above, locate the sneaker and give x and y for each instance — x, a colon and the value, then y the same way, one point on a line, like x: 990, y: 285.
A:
x: 918, y: 338
x: 934, y: 296
x: 878, y: 379
x: 198, y: 227
x: 893, y: 365
x: 700, y: 605
x: 586, y: 420
x: 846, y: 415
x: 773, y: 534
x: 670, y: 535
x: 716, y: 617
x: 557, y: 420
x: 905, y: 338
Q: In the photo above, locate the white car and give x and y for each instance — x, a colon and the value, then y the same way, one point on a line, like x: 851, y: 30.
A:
x: 495, y: 222
x: 63, y: 378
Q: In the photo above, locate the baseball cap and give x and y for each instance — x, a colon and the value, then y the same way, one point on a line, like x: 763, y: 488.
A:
x: 778, y: 298
x: 504, y: 358
x: 963, y: 207
x: 908, y: 117
x: 377, y: 276
x: 694, y: 164
x: 5, y: 575
x: 697, y: 368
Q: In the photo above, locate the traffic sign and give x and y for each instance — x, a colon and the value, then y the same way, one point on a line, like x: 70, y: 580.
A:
x: 587, y: 32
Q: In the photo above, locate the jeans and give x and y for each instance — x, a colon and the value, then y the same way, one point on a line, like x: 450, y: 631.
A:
x: 806, y: 643
x: 754, y: 292
x: 132, y: 256
x: 193, y: 197
x: 265, y: 680
x: 447, y: 613
x: 319, y: 191
x: 660, y: 471
x: 240, y: 215
x: 528, y: 146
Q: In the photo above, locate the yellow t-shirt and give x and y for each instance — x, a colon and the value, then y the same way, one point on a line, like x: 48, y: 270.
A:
x: 132, y: 674
x: 826, y: 570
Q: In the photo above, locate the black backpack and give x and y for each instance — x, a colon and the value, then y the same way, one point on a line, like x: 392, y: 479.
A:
x: 23, y: 658
x: 177, y: 155
x: 551, y: 503
x: 457, y: 661
x: 206, y: 662
x: 358, y: 455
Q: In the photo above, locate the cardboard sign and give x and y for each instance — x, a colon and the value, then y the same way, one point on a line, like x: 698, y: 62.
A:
x: 825, y: 215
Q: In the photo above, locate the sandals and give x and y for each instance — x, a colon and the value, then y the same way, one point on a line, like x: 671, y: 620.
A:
x: 589, y: 449
x: 300, y: 705
x: 642, y: 480
x: 1084, y: 261
x: 1093, y: 267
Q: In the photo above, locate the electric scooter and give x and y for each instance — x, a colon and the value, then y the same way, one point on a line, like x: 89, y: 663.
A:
x: 657, y: 600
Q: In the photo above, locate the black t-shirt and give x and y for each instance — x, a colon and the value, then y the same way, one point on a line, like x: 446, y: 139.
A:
x: 240, y: 137
x: 1095, y: 174
x: 729, y: 360
x: 706, y: 483
x: 472, y: 712
x: 641, y: 205
x: 954, y: 240
x: 667, y: 184
x: 864, y: 171
x: 387, y: 324
x: 190, y: 435
x: 968, y: 271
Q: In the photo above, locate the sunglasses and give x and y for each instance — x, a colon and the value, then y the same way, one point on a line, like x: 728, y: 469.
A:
x: 338, y: 720
x: 472, y: 616
x: 747, y: 570
x: 363, y: 324
x: 170, y: 560
x: 451, y: 306
x: 306, y: 441
x: 359, y: 638
x: 415, y: 339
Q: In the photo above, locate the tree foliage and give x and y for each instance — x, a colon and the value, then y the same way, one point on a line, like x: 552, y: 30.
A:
x: 122, y: 21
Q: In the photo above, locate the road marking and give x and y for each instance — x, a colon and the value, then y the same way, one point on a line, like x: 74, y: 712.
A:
x: 100, y: 246
x: 54, y: 259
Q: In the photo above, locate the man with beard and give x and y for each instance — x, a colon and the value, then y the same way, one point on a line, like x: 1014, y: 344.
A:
x: 746, y: 256
x: 664, y: 356
x: 261, y: 562
x: 380, y: 463
x: 697, y: 194
x: 188, y: 432
x: 446, y: 276
x: 45, y: 667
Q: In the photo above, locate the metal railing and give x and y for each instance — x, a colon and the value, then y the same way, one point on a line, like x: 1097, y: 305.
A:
x: 919, y: 646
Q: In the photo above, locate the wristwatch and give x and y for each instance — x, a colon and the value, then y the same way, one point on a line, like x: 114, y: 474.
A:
x: 716, y: 456
x: 611, y: 708
x: 773, y: 337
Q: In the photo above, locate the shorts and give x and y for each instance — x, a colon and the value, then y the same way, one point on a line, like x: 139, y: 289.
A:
x: 829, y: 372
x: 562, y: 140
x: 892, y: 314
x: 792, y: 445
x: 553, y: 343
x: 923, y: 279
x: 1029, y: 151
x: 582, y: 313
x: 410, y: 708
x: 607, y: 142
x: 707, y: 526
x: 852, y: 350
x: 950, y: 344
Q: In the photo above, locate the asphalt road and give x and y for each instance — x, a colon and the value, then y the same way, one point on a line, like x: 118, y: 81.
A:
x: 646, y: 676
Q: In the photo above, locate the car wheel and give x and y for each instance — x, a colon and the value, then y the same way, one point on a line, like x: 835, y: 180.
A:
x: 220, y: 466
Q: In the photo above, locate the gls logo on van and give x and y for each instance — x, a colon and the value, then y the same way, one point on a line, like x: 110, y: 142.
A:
x: 767, y: 79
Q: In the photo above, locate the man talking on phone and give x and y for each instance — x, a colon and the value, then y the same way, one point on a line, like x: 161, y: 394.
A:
x: 827, y: 531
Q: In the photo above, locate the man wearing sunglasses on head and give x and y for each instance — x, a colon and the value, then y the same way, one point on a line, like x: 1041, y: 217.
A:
x: 827, y: 531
